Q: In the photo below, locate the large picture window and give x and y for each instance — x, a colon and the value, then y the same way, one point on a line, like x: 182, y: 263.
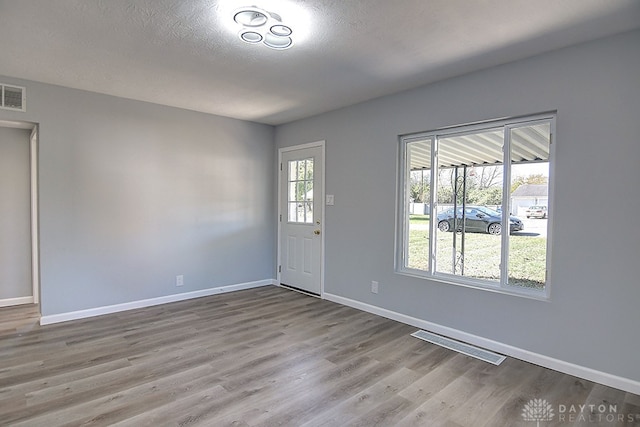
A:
x: 475, y: 204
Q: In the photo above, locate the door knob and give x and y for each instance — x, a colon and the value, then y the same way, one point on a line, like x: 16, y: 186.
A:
x: 316, y: 232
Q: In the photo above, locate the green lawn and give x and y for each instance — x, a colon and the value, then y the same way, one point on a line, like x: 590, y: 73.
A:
x: 482, y: 254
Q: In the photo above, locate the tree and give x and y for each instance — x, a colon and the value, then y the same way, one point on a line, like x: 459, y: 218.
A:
x: 420, y: 188
x: 487, y: 196
x: 489, y: 176
x: 483, y: 185
x: 446, y: 185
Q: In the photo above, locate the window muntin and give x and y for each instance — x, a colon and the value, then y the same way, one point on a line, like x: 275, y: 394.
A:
x: 477, y: 167
x: 300, y: 191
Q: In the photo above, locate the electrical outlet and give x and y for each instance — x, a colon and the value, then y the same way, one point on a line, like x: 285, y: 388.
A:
x: 374, y: 286
x: 180, y: 280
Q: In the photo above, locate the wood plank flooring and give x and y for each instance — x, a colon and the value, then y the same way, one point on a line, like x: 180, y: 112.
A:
x: 267, y: 357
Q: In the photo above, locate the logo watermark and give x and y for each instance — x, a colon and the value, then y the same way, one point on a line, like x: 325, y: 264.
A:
x: 541, y: 411
x: 538, y: 410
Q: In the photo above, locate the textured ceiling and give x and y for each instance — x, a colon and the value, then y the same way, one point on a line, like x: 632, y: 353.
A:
x: 185, y: 53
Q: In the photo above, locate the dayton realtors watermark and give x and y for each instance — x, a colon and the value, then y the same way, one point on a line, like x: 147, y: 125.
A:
x: 541, y: 411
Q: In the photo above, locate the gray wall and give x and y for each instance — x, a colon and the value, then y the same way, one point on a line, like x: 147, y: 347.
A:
x: 593, y: 316
x: 133, y: 194
x: 15, y: 214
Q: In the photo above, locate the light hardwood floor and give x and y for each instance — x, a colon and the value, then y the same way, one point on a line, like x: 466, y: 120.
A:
x: 266, y: 357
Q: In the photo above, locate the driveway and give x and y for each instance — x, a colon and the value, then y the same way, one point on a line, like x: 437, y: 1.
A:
x: 535, y: 227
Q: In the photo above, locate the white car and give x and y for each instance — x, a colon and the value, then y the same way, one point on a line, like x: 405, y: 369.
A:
x: 536, y: 212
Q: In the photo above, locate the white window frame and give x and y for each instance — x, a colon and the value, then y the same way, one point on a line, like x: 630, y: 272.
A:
x: 402, y: 226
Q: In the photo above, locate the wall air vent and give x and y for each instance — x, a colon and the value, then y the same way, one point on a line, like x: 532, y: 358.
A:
x: 13, y: 97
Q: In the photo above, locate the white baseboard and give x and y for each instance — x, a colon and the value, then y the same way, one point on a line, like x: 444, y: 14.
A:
x: 15, y: 301
x: 610, y: 380
x: 99, y: 311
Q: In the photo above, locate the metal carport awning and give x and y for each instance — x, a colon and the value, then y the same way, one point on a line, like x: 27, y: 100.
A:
x: 529, y: 144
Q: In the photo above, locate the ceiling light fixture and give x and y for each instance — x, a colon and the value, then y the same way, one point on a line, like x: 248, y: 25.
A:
x: 258, y: 25
x: 250, y: 17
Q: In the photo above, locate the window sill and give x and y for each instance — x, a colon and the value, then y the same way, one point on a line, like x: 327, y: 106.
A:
x: 540, y: 295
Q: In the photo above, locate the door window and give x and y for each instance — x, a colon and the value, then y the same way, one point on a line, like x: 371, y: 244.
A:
x: 300, y: 191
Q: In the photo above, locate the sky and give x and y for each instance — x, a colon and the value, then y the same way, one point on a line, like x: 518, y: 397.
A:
x: 530, y: 169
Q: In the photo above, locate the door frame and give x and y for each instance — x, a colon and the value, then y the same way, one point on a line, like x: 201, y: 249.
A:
x: 281, y: 151
x: 35, y: 226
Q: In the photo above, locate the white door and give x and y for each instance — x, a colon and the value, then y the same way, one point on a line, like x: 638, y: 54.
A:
x: 301, y: 196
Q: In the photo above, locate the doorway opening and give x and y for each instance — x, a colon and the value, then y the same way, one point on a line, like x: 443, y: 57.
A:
x: 19, y: 246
